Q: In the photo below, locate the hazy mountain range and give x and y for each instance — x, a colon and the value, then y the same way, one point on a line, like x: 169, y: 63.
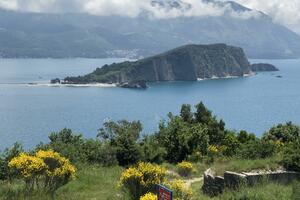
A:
x: 83, y: 35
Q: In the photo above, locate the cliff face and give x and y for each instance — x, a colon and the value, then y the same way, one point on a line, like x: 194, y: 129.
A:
x: 186, y: 63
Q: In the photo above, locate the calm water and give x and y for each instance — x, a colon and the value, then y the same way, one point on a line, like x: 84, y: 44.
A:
x: 29, y: 113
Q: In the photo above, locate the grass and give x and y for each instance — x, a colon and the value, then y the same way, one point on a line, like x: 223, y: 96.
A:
x: 99, y: 183
x: 265, y: 191
x: 238, y: 165
x: 92, y: 183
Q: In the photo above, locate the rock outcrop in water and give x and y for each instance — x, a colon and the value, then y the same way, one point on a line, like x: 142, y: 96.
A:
x: 186, y: 63
x: 263, y: 67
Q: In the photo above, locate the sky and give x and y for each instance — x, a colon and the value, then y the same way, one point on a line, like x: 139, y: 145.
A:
x: 285, y: 12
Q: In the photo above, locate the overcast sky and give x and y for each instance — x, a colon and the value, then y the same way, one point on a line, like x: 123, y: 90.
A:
x: 285, y: 12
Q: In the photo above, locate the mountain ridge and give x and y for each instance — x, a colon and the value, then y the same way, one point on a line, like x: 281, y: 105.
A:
x: 36, y: 35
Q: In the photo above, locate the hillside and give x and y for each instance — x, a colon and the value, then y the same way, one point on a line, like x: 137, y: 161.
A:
x: 41, y: 35
x: 186, y: 63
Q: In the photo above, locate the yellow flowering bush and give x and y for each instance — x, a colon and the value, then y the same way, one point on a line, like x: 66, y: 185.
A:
x: 185, y: 168
x: 149, y: 196
x: 28, y: 166
x: 56, y: 164
x: 180, y: 190
x: 142, y: 179
x: 47, y: 166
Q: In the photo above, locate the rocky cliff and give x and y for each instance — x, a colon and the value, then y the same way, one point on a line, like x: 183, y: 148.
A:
x: 186, y: 63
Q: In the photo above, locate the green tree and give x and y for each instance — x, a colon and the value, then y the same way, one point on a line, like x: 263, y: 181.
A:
x: 202, y: 114
x: 5, y: 157
x: 283, y: 132
x: 123, y: 136
x: 245, y: 137
x: 186, y: 113
x: 291, y: 156
x: 66, y: 143
x: 181, y: 139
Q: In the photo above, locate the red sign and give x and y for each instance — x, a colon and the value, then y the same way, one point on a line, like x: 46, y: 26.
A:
x: 164, y: 193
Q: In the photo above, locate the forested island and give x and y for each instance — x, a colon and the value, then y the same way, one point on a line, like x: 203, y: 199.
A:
x: 186, y: 63
x: 121, y: 164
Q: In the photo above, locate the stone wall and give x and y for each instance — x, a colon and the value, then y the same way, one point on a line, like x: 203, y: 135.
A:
x: 214, y: 185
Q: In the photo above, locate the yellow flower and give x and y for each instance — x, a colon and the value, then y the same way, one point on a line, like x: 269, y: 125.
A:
x: 185, y: 168
x: 213, y: 149
x: 27, y: 165
x: 149, y: 196
x: 62, y: 166
x: 142, y: 178
x: 180, y: 191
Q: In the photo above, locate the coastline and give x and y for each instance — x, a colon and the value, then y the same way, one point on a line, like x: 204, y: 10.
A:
x: 227, y: 77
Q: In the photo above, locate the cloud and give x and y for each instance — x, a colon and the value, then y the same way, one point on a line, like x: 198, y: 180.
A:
x: 285, y: 12
x: 131, y: 8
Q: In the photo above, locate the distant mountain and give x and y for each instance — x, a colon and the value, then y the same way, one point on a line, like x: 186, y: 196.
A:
x: 83, y: 35
x: 186, y: 63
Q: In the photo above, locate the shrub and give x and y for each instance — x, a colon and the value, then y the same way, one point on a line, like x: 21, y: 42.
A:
x: 29, y: 168
x: 283, y: 132
x: 9, y: 154
x: 185, y: 168
x: 101, y: 153
x: 142, y: 179
x: 257, y: 149
x: 180, y: 191
x: 67, y: 144
x: 181, y: 139
x: 47, y: 166
x: 151, y: 150
x: 59, y: 170
x: 123, y: 135
x: 149, y: 196
x: 291, y: 156
x: 212, y: 152
x: 230, y: 144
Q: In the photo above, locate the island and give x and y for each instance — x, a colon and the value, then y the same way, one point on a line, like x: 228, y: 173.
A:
x: 186, y: 63
x: 262, y: 67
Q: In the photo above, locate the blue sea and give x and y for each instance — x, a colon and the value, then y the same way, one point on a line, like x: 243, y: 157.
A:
x: 29, y: 113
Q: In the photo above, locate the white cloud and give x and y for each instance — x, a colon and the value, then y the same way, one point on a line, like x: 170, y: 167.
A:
x: 286, y: 12
x: 282, y: 11
x: 130, y: 8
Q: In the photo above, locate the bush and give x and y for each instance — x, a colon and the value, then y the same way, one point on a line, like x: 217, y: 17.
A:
x: 29, y: 168
x: 283, y: 132
x: 180, y: 191
x: 257, y: 149
x: 46, y: 166
x: 181, y: 139
x: 142, y: 179
x: 8, y: 154
x: 185, y: 168
x: 67, y: 144
x: 151, y: 150
x: 149, y: 196
x: 230, y: 144
x: 123, y: 135
x: 291, y: 156
x: 101, y: 153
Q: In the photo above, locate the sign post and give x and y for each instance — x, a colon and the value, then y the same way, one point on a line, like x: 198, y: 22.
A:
x: 164, y: 193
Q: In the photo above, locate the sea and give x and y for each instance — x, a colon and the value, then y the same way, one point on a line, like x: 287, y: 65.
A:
x: 31, y: 109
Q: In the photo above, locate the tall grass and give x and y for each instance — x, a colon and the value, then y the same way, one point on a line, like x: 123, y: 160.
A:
x: 92, y: 182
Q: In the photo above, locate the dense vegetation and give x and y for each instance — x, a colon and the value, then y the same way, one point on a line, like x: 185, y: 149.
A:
x: 194, y: 136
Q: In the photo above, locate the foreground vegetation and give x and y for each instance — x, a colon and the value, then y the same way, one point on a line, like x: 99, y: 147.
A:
x: 120, y: 164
